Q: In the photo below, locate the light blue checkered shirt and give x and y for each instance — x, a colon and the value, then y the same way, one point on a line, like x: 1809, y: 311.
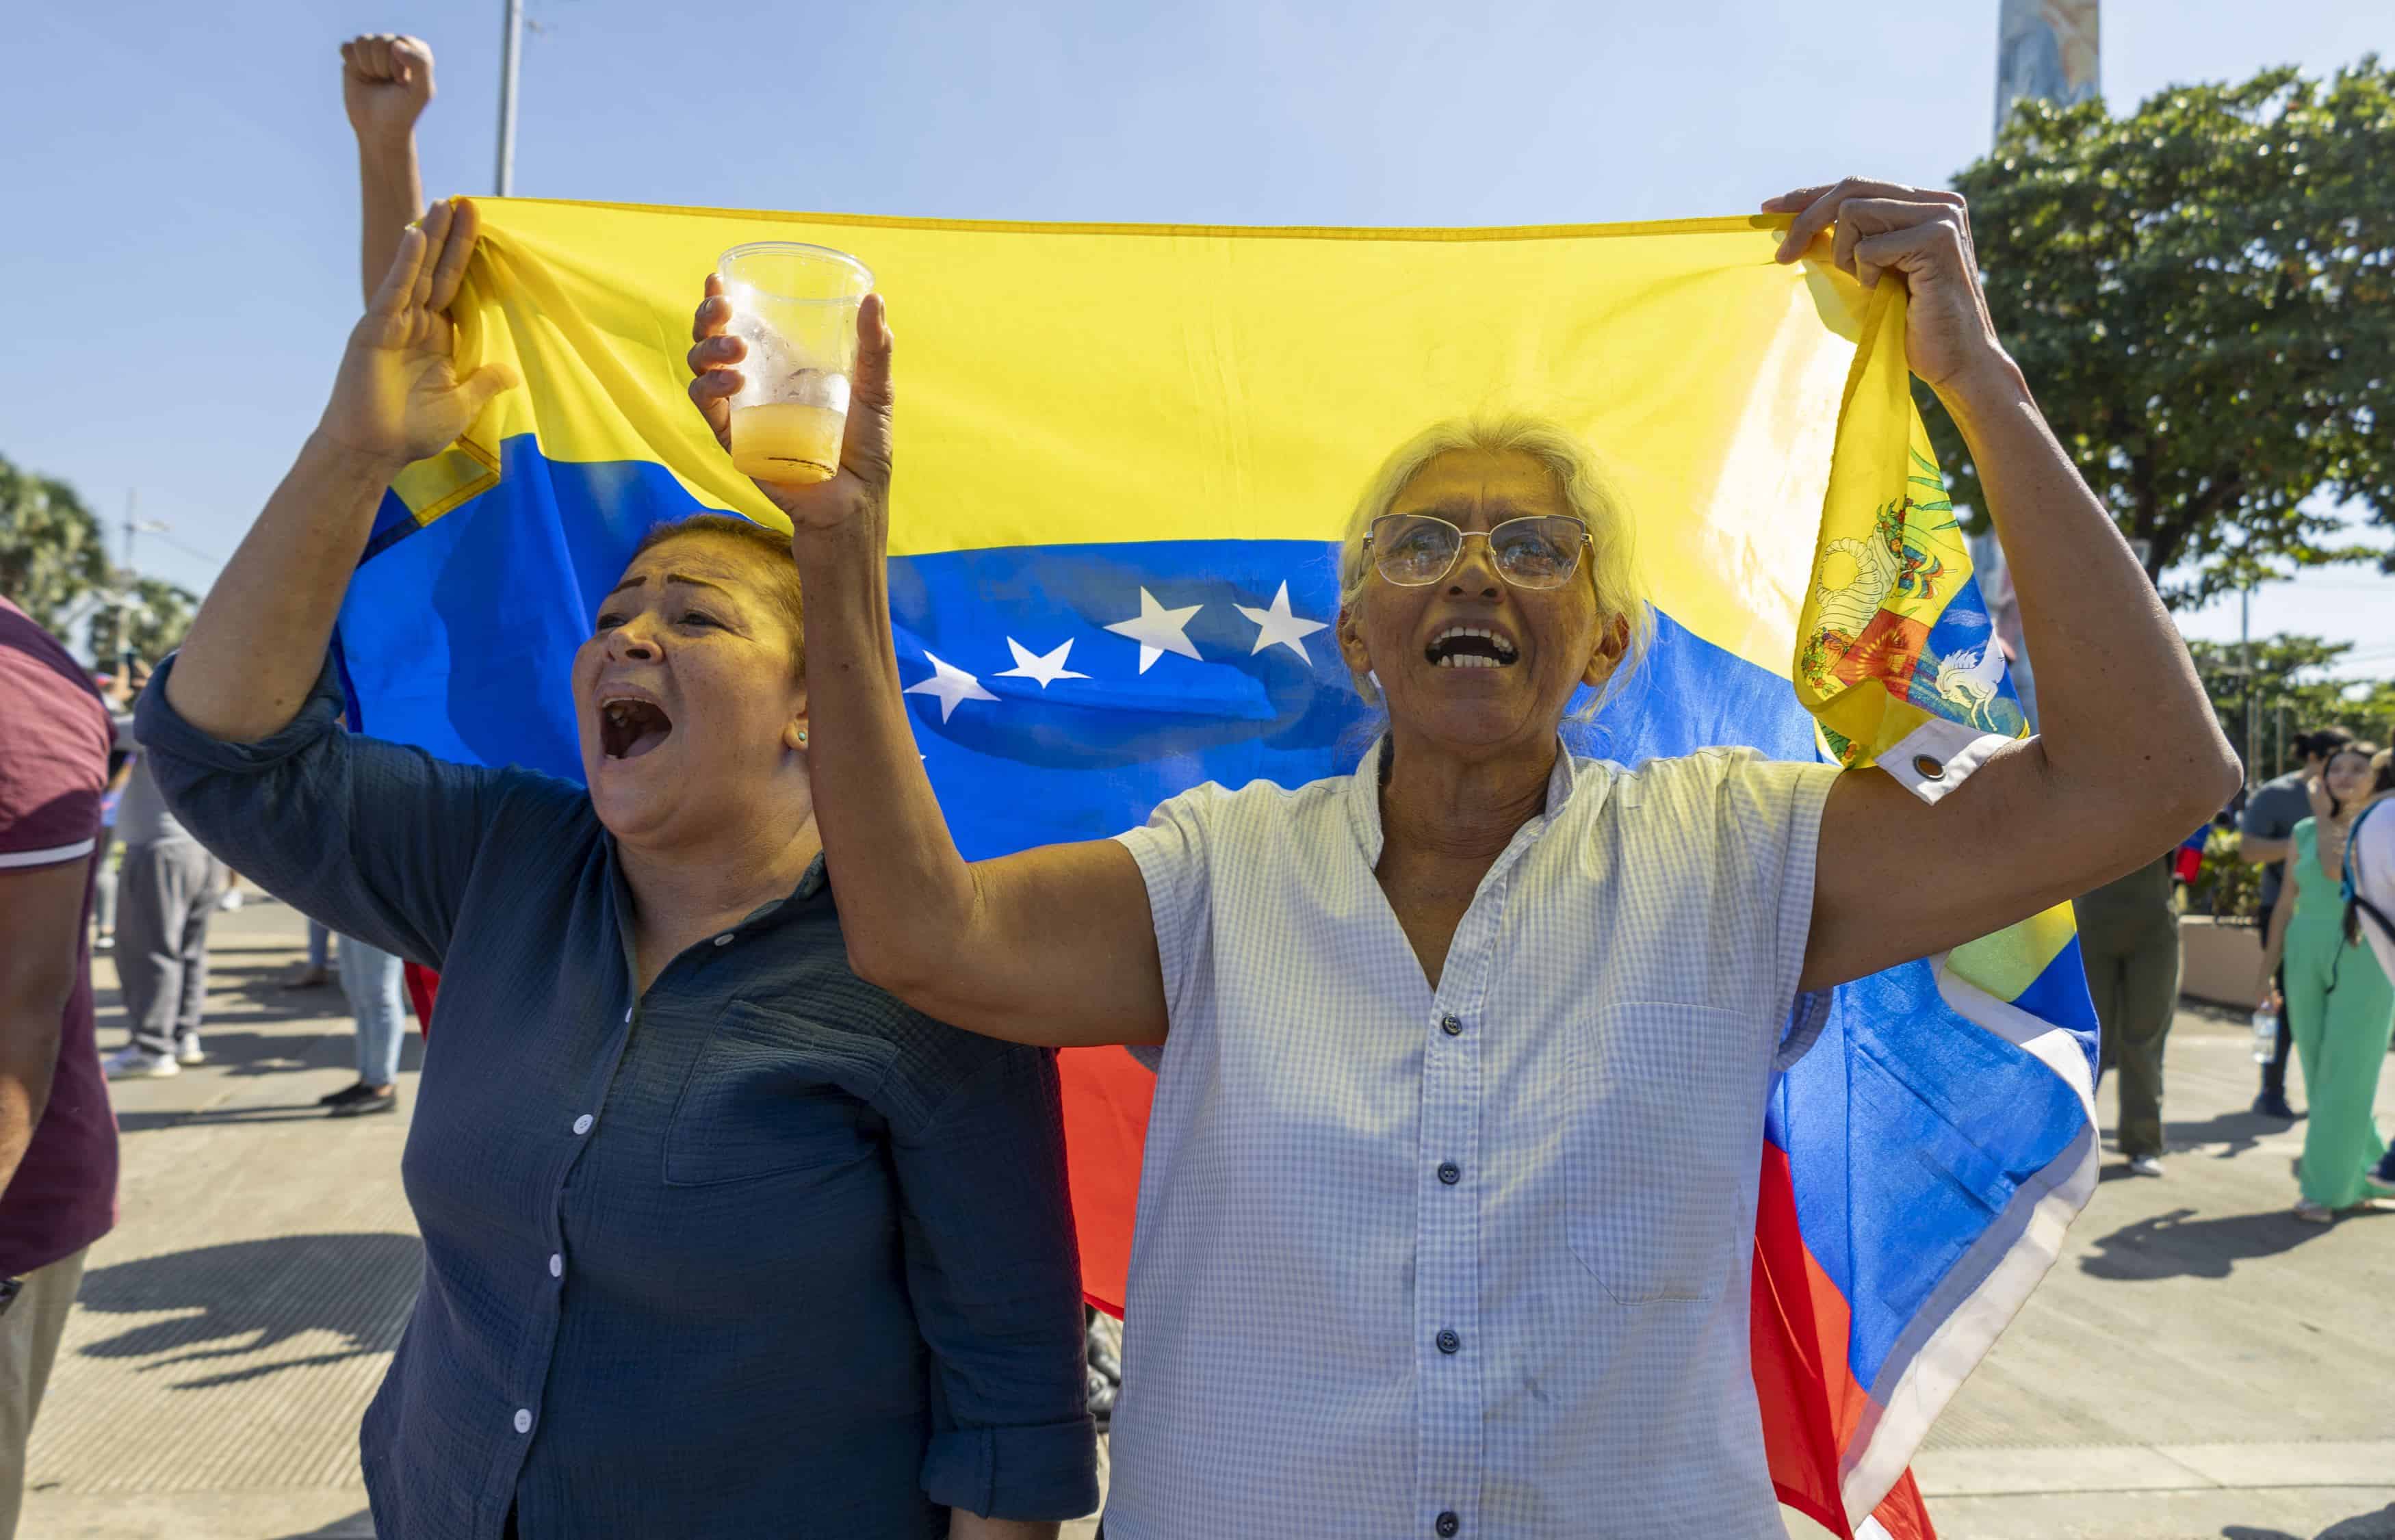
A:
x: 1469, y: 1262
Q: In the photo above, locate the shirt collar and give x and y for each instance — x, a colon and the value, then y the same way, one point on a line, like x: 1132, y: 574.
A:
x: 812, y: 885
x: 1364, y: 793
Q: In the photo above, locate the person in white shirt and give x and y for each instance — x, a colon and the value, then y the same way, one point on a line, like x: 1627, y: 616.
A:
x: 1449, y: 1193
x: 2370, y: 866
x: 2370, y: 863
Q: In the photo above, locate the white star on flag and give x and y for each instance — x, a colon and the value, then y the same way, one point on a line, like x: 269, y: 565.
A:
x: 1277, y: 625
x: 1157, y: 630
x: 1046, y: 667
x: 952, y: 684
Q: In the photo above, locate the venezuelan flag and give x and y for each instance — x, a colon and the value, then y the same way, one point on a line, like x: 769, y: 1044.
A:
x: 1124, y: 455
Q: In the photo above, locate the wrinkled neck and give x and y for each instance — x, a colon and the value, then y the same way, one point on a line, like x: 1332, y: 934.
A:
x: 1449, y: 806
x: 682, y: 890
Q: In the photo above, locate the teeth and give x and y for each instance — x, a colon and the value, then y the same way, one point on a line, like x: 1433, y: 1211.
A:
x: 1504, y: 645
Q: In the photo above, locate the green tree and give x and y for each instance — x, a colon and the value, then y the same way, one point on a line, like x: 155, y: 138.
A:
x: 2203, y: 295
x: 52, y: 549
x: 2290, y: 695
x: 151, y: 622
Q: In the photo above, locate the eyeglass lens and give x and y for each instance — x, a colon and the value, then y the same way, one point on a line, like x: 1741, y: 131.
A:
x: 1540, y: 551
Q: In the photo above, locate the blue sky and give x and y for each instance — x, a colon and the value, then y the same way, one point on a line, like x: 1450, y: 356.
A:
x: 182, y: 265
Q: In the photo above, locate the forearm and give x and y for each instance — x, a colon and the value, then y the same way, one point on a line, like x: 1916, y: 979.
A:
x: 972, y: 1526
x: 258, y: 643
x: 29, y: 1057
x: 2120, y: 705
x: 906, y: 898
x: 2261, y: 852
x: 390, y: 193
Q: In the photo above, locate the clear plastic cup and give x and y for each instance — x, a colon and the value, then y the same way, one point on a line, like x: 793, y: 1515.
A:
x: 795, y: 305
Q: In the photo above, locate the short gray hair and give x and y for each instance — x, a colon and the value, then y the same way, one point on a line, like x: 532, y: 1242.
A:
x: 1612, y: 560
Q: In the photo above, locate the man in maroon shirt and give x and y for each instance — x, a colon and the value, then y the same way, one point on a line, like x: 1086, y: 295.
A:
x: 58, y: 1138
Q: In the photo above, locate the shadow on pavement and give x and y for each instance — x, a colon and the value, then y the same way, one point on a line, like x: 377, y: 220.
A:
x: 245, y: 1054
x: 293, y: 1112
x: 2240, y: 1131
x: 2378, y: 1525
x: 2178, y: 1245
x: 357, y: 1526
x: 251, y: 1296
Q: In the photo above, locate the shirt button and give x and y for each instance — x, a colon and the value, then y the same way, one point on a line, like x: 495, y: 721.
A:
x: 724, y: 940
x: 523, y: 1420
x: 1449, y: 1342
x: 1447, y: 1525
x: 1449, y: 1025
x: 1450, y: 1173
x: 582, y: 1124
x: 556, y: 1265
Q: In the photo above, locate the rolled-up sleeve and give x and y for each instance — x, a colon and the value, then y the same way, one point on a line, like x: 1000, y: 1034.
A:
x: 994, y: 1275
x: 374, y: 839
x: 1171, y: 850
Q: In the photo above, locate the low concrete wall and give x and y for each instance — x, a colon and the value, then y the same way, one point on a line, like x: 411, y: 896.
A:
x: 2222, y: 960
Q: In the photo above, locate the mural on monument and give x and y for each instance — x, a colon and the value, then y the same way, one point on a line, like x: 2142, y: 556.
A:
x: 2045, y: 49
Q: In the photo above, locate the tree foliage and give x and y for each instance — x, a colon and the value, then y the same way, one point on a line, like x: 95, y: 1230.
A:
x: 152, y: 622
x: 53, y: 551
x: 2286, y: 678
x: 54, y: 566
x: 2203, y: 295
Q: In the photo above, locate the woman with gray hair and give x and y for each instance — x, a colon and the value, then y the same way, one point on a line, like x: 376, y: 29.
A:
x: 1450, y: 1186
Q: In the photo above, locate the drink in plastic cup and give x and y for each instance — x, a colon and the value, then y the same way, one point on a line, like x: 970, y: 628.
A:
x: 796, y: 307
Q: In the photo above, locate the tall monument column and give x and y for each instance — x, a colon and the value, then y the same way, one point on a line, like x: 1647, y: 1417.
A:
x: 2045, y: 49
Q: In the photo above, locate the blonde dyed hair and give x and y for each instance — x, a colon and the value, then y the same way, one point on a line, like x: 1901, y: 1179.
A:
x: 1610, y: 565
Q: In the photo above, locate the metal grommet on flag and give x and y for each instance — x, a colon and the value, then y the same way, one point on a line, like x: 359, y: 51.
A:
x: 1930, y: 770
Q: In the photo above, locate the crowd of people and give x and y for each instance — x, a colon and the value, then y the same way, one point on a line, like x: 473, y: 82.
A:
x: 739, y: 1203
x: 2317, y: 910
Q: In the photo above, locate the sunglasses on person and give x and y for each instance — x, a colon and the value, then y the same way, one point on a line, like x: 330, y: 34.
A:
x: 1414, y: 550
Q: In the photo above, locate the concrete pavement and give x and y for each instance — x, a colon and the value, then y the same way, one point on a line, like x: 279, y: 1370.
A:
x: 2199, y: 1364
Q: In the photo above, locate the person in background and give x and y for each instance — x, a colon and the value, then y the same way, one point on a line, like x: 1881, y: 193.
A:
x: 2264, y: 831
x: 167, y: 893
x: 120, y: 769
x: 58, y: 1139
x: 370, y: 978
x: 2129, y: 944
x: 2336, y: 997
x: 318, y: 970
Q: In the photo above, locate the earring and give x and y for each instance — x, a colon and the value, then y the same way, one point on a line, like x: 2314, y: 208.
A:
x: 802, y: 737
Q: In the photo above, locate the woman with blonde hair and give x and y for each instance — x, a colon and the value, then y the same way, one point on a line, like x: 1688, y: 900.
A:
x: 1449, y: 1196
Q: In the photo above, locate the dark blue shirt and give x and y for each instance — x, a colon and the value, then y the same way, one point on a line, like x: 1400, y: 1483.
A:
x: 762, y: 1253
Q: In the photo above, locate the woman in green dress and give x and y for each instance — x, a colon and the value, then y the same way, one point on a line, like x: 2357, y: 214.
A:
x: 2340, y: 1006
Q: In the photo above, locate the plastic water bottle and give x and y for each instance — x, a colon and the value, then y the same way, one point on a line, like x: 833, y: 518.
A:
x: 2266, y: 1034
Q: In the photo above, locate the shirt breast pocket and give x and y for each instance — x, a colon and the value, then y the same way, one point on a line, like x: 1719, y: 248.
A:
x: 769, y: 1095
x: 1665, y: 1102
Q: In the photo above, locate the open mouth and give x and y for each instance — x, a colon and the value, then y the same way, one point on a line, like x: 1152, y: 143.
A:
x: 629, y: 728
x: 1472, y: 647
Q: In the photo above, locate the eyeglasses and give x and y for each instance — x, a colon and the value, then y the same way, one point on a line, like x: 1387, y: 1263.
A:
x: 1414, y: 550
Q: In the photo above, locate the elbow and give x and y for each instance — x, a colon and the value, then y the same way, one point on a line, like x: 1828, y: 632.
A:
x: 876, y: 965
x: 2217, y: 777
x: 2203, y: 786
x: 2172, y: 799
x: 893, y: 967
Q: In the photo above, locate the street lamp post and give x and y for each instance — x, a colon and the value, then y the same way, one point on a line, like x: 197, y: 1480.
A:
x: 2245, y: 644
x: 124, y: 598
x: 512, y: 42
